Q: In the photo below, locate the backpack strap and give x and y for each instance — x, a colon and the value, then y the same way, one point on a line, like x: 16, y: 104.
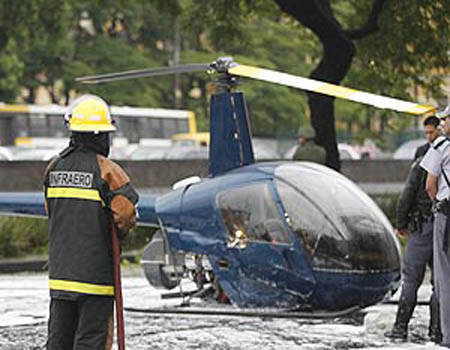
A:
x: 440, y: 143
x: 445, y: 177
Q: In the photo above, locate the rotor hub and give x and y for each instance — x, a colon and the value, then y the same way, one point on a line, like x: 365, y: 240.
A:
x: 225, y: 80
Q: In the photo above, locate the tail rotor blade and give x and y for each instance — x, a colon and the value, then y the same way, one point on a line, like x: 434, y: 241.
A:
x: 330, y: 89
x: 139, y: 73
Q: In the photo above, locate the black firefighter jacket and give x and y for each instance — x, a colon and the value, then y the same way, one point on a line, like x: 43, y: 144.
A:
x: 83, y: 190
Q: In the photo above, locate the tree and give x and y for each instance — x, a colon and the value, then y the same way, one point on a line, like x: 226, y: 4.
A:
x: 47, y: 43
x: 404, y: 24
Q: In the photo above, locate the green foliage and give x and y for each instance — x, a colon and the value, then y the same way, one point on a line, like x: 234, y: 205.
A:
x: 22, y: 236
x: 25, y: 236
x: 11, y: 69
x: 138, y: 238
x: 388, y: 204
x: 225, y: 22
x: 141, y: 92
x: 47, y: 43
x: 409, y: 49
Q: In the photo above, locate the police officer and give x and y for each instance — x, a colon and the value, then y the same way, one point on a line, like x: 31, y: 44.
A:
x: 307, y: 149
x: 437, y: 163
x: 84, y: 191
x: 414, y: 217
x: 432, y: 131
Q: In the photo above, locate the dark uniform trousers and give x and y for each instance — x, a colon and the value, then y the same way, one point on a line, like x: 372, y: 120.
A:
x: 441, y: 265
x: 88, y: 317
x: 419, y: 254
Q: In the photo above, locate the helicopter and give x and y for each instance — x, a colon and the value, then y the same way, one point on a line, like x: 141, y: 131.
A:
x: 291, y: 235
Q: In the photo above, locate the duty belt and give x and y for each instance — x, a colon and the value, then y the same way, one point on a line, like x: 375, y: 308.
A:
x: 416, y: 221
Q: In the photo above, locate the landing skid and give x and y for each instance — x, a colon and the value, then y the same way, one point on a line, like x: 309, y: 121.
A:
x: 246, y: 313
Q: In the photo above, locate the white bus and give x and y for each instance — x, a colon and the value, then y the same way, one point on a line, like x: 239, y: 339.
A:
x: 36, y: 125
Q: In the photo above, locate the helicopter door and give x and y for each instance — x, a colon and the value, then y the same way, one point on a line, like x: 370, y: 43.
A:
x: 260, y: 242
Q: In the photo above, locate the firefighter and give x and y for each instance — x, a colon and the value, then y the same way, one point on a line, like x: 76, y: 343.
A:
x: 84, y: 192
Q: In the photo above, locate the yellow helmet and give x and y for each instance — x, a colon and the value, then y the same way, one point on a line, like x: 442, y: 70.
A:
x: 89, y: 113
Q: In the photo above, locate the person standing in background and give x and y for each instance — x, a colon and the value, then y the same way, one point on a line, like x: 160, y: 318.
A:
x: 307, y: 149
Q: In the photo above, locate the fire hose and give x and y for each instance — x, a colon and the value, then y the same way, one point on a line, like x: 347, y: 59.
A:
x: 118, y: 287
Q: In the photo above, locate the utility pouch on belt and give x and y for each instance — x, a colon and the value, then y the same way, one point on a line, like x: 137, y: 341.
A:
x: 443, y: 206
x: 415, y: 223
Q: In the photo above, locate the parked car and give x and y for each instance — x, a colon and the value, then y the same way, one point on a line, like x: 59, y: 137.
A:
x: 149, y: 153
x: 5, y: 153
x: 407, y: 149
x: 347, y: 151
x: 264, y: 149
x: 122, y: 152
x: 43, y: 154
x: 188, y: 152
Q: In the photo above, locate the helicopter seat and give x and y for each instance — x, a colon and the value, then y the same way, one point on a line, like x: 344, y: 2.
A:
x: 276, y: 231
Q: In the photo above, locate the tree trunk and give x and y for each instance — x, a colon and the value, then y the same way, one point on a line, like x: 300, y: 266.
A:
x: 176, y: 61
x: 338, y: 52
x: 31, y: 96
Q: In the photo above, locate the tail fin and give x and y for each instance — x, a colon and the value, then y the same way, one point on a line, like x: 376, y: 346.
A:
x: 230, y: 145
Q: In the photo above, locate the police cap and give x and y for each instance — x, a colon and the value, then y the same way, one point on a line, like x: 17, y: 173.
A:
x: 306, y: 132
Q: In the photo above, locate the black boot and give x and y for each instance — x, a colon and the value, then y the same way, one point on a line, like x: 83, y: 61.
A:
x: 434, y: 330
x: 404, y: 313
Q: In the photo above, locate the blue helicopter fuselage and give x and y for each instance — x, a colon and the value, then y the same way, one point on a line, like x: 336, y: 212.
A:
x: 258, y: 227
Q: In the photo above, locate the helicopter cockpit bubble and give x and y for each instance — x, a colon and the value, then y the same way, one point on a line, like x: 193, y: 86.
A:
x: 251, y: 211
x: 339, y: 225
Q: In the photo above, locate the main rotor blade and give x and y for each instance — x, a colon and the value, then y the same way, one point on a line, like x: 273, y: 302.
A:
x: 330, y: 89
x: 139, y: 73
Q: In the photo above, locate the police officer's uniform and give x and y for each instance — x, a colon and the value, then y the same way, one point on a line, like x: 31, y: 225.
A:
x: 414, y: 215
x: 421, y: 150
x: 437, y: 163
x: 310, y: 152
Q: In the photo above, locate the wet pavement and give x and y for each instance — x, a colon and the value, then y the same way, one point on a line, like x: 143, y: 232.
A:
x: 24, y: 311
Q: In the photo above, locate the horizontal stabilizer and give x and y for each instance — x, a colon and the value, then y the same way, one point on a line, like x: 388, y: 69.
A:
x: 31, y: 204
x: 22, y: 204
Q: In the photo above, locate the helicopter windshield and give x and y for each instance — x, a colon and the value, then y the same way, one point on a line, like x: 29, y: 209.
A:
x: 251, y: 211
x: 338, y: 224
